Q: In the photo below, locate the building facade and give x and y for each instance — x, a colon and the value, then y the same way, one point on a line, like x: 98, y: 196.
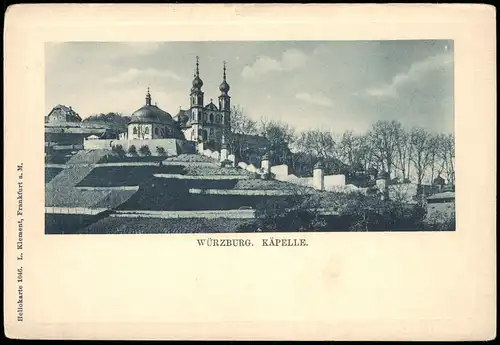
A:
x: 62, y: 114
x: 65, y: 130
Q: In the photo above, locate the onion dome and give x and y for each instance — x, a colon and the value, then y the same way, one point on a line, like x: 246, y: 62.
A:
x: 197, y: 82
x: 224, y: 86
x: 150, y: 114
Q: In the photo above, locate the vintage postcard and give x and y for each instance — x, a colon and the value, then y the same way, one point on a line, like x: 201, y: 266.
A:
x: 313, y: 172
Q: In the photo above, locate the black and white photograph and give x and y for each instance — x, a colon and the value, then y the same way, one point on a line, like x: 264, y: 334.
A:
x: 249, y: 136
x: 250, y: 172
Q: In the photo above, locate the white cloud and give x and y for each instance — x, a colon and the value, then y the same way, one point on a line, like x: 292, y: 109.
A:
x: 290, y: 60
x: 134, y: 75
x: 317, y: 99
x: 417, y: 73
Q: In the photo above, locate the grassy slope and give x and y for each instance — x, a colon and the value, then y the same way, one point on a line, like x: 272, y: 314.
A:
x: 116, y: 225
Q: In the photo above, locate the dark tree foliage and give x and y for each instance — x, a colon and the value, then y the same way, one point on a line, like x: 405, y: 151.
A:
x: 118, y: 149
x: 144, y: 150
x: 356, y: 212
x: 160, y: 150
x: 116, y: 121
x: 132, y: 150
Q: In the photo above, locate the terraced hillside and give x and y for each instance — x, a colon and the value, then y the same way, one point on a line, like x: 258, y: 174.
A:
x: 90, y: 180
x: 112, y: 176
x: 50, y: 173
x: 61, y: 191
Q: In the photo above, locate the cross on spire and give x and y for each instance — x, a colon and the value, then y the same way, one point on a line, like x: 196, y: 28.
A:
x: 197, y: 66
x: 148, y: 97
x: 224, y: 69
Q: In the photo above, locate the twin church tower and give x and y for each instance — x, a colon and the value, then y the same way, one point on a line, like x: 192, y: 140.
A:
x: 207, y: 123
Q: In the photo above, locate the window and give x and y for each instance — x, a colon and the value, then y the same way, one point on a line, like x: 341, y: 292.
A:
x: 211, y: 132
x: 146, y: 130
x: 135, y: 130
x: 217, y: 119
x: 204, y: 117
x: 157, y: 130
x: 211, y: 117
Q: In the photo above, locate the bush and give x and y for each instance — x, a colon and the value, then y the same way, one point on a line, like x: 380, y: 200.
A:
x: 356, y: 212
x: 132, y: 150
x: 161, y: 151
x: 369, y: 213
x: 144, y: 150
x: 118, y: 149
x: 441, y: 221
x: 226, y: 163
x: 268, y: 176
x: 294, y: 212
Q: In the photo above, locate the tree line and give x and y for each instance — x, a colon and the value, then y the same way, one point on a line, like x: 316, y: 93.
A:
x: 404, y: 154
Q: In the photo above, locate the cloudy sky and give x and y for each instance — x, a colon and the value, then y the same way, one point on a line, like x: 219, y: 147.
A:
x: 334, y: 85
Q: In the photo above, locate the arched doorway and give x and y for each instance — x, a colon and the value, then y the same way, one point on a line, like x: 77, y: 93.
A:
x: 204, y: 135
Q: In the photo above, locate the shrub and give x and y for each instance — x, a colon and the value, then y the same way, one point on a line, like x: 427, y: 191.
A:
x: 356, y: 212
x: 144, y: 150
x: 118, y: 149
x: 441, y: 221
x: 226, y: 163
x: 161, y: 151
x: 294, y: 212
x: 132, y: 150
x: 268, y: 176
x: 369, y: 213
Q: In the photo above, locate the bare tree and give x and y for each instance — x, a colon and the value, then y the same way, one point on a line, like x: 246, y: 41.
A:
x: 447, y: 153
x: 421, y: 156
x: 348, y: 148
x: 241, y: 123
x: 385, y: 137
x: 318, y: 143
x: 436, y: 161
x: 355, y: 150
x: 365, y: 152
x: 280, y: 136
x: 403, y: 153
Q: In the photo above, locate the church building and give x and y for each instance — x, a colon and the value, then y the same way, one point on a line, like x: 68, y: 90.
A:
x: 151, y: 122
x: 207, y: 123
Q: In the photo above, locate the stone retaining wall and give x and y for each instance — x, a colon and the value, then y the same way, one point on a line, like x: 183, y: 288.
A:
x: 241, y: 214
x: 74, y: 210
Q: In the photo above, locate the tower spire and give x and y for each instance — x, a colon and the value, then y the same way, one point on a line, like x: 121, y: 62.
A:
x: 224, y: 86
x: 148, y: 97
x: 197, y: 82
x: 197, y: 66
